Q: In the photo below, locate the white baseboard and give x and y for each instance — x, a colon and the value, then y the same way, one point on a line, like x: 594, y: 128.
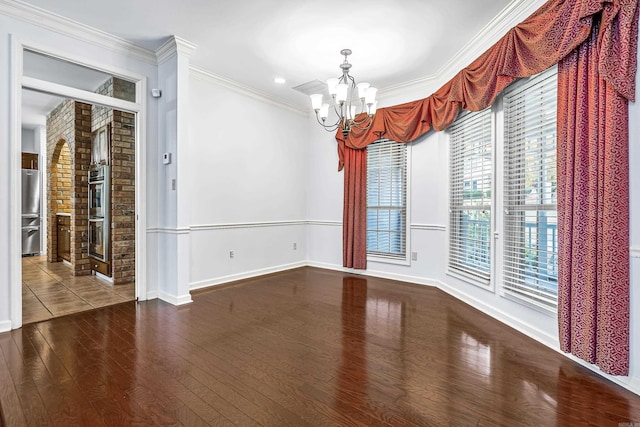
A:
x: 375, y: 273
x: 175, y: 299
x: 5, y: 326
x: 152, y: 295
x: 527, y: 329
x: 245, y: 275
x: 630, y: 383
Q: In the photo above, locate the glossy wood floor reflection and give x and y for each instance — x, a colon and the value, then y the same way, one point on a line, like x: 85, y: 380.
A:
x: 307, y: 347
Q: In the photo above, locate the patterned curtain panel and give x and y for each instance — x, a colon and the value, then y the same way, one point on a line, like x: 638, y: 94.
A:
x: 593, y: 211
x: 554, y: 31
x: 354, y: 213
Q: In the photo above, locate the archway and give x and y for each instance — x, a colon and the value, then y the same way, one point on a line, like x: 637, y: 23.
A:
x: 59, y: 201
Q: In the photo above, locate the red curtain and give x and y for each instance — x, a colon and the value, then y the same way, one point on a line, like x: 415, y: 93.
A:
x: 354, y: 214
x: 593, y: 205
x: 596, y: 80
x: 539, y: 42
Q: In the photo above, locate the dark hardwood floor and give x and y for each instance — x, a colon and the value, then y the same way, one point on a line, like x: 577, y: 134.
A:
x: 307, y: 347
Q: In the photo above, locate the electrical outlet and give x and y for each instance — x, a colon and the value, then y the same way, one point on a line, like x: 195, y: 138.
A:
x: 231, y: 254
x: 414, y: 256
x: 295, y: 246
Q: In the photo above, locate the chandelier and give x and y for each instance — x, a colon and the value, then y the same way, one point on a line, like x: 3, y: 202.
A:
x: 352, y: 111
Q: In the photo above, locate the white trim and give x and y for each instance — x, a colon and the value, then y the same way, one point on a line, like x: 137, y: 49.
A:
x: 207, y: 76
x: 5, y: 326
x: 76, y: 30
x: 167, y: 230
x: 514, y: 13
x: 515, y: 323
x: 15, y: 195
x: 175, y: 299
x: 630, y: 383
x: 152, y: 295
x: 429, y: 227
x: 141, y: 192
x: 17, y: 82
x: 78, y: 94
x: 203, y: 284
x: 73, y: 58
x: 172, y: 47
x: 634, y: 251
x: 325, y: 223
x: 470, y: 279
x: 103, y: 277
x: 201, y: 227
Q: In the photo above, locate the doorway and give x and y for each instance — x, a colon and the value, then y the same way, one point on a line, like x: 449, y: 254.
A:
x: 76, y: 278
x: 87, y: 254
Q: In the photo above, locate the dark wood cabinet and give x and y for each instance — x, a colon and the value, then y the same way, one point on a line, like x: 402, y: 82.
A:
x: 100, y: 267
x: 64, y: 237
x: 29, y: 160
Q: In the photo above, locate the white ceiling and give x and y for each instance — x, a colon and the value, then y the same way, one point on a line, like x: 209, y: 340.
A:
x: 253, y: 41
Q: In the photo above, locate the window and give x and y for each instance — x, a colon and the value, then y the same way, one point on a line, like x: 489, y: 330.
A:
x: 387, y: 199
x: 530, y: 266
x: 519, y: 129
x: 471, y: 169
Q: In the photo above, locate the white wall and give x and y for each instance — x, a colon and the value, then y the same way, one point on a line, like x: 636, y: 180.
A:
x: 74, y: 46
x: 248, y: 181
x: 29, y: 141
x: 260, y: 185
x: 429, y: 221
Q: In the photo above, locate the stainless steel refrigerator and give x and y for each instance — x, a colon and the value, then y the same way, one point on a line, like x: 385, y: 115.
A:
x: 30, y: 212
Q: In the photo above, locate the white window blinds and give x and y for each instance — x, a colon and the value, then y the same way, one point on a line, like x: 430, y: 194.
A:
x: 530, y: 266
x: 386, y: 199
x: 471, y: 170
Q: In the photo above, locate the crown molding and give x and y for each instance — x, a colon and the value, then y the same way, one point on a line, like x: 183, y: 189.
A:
x: 76, y: 30
x: 514, y: 13
x: 173, y: 46
x: 235, y: 86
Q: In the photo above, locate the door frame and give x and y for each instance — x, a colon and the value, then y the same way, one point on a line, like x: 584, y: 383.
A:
x: 18, y: 82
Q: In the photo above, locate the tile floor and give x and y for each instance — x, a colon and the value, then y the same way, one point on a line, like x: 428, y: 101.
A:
x: 49, y: 290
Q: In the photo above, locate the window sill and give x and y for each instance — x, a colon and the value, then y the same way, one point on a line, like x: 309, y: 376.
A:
x: 385, y: 260
x: 549, y: 311
x: 472, y: 280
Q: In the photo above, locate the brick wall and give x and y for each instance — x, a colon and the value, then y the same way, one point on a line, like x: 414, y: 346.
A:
x: 122, y: 161
x: 69, y: 128
x: 123, y: 174
x: 68, y: 150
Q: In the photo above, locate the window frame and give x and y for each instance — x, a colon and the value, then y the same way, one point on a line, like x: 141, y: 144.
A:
x: 496, y: 280
x: 391, y: 259
x: 460, y: 274
x: 504, y: 291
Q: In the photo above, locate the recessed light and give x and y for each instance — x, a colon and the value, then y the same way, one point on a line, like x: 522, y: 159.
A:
x: 279, y: 80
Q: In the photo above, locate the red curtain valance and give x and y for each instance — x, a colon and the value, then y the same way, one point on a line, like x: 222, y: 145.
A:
x: 539, y: 42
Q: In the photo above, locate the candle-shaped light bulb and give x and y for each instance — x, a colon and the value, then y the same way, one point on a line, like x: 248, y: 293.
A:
x: 370, y: 97
x: 341, y: 93
x: 332, y: 86
x: 324, y: 111
x: 316, y: 101
x: 362, y: 89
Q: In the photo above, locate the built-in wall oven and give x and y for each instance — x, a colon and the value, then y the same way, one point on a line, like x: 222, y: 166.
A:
x: 99, y: 189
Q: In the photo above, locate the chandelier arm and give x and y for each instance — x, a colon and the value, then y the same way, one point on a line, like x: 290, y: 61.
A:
x: 364, y: 124
x: 347, y: 110
x: 329, y: 128
x: 365, y: 119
